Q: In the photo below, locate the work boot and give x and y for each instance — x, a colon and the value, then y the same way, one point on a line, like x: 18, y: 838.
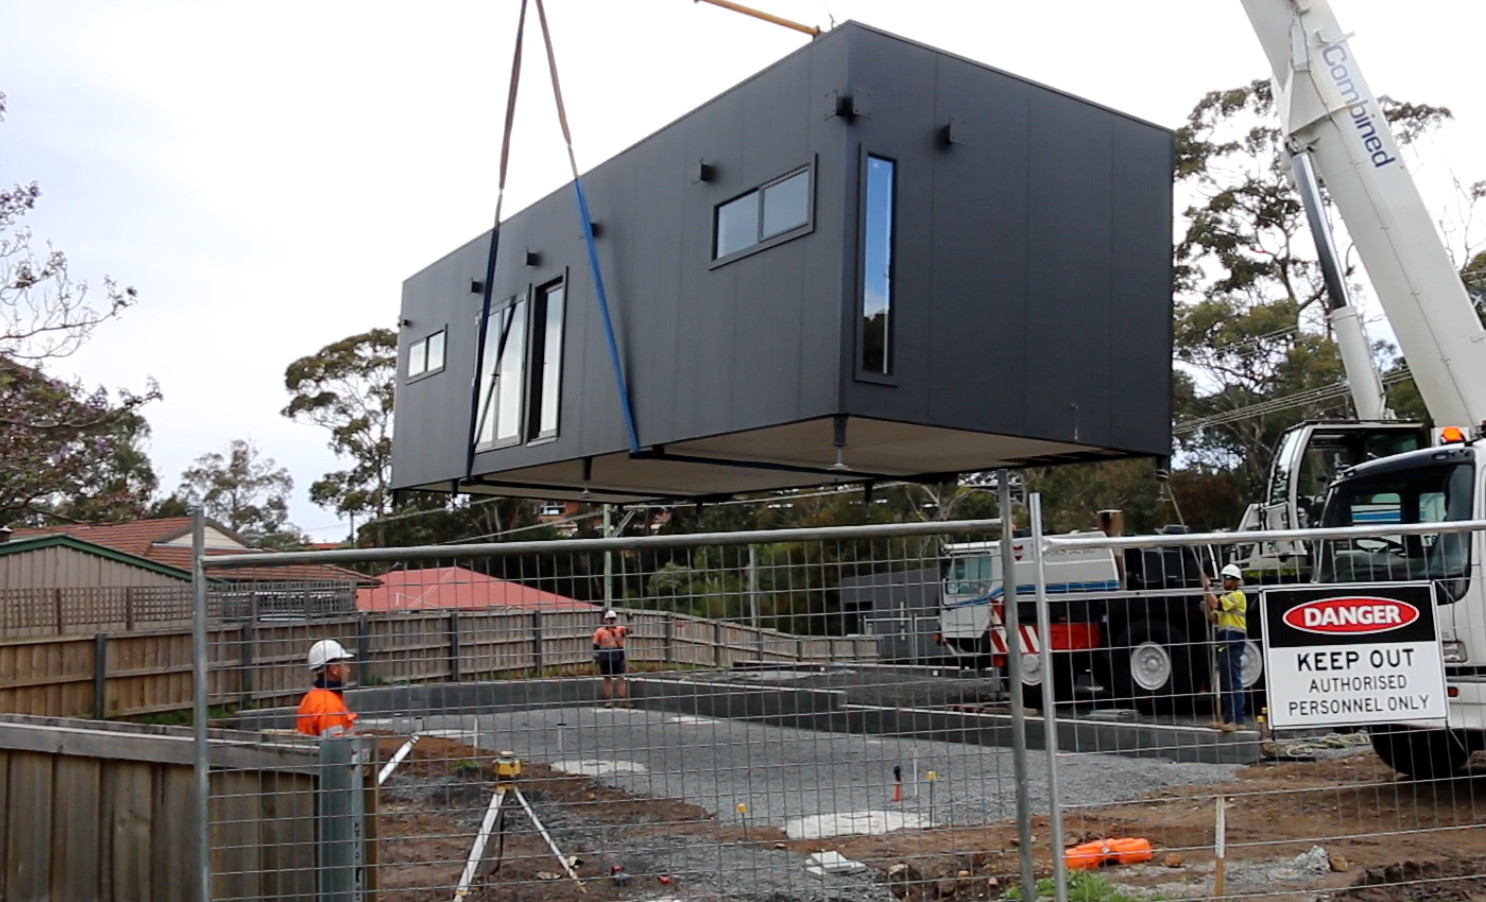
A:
x: 1228, y: 727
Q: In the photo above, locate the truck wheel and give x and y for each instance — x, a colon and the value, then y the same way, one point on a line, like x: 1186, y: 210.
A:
x: 1420, y: 754
x: 1034, y: 686
x: 1151, y: 666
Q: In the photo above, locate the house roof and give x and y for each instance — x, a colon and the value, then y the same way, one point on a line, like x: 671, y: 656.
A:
x: 37, y: 543
x: 459, y: 588
x: 167, y: 542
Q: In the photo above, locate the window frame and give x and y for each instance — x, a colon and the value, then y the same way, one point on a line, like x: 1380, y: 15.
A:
x: 860, y: 372
x: 486, y: 410
x: 536, y: 400
x: 420, y: 348
x: 529, y: 301
x: 761, y: 243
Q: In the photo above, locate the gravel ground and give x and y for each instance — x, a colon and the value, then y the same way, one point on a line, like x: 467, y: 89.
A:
x: 791, y: 784
x: 783, y: 775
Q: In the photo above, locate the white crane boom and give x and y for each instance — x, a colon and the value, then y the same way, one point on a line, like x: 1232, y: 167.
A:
x: 1327, y: 111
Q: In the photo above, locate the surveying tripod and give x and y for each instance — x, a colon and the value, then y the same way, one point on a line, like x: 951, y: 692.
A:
x: 479, y: 866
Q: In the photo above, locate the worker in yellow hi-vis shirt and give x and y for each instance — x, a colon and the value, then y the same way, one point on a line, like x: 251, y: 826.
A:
x: 1229, y: 615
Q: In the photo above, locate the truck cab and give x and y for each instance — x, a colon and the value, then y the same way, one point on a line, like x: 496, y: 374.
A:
x: 1444, y: 484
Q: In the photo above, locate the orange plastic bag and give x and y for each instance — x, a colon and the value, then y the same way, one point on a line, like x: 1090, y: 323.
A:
x: 1118, y: 850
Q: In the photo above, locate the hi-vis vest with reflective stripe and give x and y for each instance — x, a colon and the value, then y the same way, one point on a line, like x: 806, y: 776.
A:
x: 322, y: 712
x: 1233, y: 609
x: 609, y: 638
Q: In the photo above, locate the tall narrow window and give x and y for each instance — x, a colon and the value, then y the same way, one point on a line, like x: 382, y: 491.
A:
x: 877, y: 269
x: 504, y: 369
x: 546, y: 368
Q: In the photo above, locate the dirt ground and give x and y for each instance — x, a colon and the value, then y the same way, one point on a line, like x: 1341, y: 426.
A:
x: 1387, y: 839
x: 432, y: 808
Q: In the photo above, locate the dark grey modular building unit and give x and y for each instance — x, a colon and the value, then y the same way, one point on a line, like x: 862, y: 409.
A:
x: 872, y: 260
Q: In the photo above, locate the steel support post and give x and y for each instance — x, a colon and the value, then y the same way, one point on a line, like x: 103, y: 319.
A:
x: 199, y: 664
x: 342, y: 862
x: 1049, y: 697
x: 1014, y: 683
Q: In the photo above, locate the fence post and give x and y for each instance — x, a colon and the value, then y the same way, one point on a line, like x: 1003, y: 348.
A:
x: 536, y: 643
x: 342, y: 852
x: 670, y: 632
x: 799, y: 649
x: 100, y: 676
x: 454, y: 668
x: 363, y: 649
x: 247, y: 636
x: 57, y: 604
x: 129, y: 609
x: 717, y: 643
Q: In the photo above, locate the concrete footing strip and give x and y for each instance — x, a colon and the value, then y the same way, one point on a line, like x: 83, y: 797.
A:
x: 400, y: 709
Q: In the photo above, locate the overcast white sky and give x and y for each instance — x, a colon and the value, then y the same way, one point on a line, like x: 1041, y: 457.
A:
x: 267, y: 173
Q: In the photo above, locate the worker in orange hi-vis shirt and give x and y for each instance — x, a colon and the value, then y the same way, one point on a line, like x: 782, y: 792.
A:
x: 322, y: 711
x: 608, y: 654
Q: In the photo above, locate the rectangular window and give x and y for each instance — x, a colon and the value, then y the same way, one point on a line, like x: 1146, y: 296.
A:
x: 426, y: 355
x: 510, y: 375
x: 737, y: 225
x: 771, y: 213
x: 877, y: 268
x: 502, y: 380
x: 418, y: 358
x: 546, y: 368
x: 786, y: 205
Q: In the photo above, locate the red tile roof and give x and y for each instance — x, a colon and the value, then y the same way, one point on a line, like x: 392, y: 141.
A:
x: 135, y: 537
x: 168, y: 541
x: 459, y: 588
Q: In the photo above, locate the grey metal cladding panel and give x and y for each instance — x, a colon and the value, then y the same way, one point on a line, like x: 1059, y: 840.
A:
x: 647, y: 257
x: 626, y: 196
x: 433, y: 411
x: 769, y: 285
x: 978, y: 363
x: 900, y: 78
x: 1140, y: 359
x: 1070, y: 243
x: 708, y: 298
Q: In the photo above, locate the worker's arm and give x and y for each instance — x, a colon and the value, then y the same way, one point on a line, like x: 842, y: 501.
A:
x: 1208, y: 596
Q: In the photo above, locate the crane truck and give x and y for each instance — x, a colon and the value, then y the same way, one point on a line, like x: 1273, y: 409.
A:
x: 1330, y: 474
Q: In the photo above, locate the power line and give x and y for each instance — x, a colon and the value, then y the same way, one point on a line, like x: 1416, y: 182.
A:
x: 1275, y: 405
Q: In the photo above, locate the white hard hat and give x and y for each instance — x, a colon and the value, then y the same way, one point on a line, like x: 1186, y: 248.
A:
x: 327, y: 651
x: 611, y: 614
x: 1232, y: 572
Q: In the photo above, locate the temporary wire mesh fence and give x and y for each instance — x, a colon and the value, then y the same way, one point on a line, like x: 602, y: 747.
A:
x: 825, y: 716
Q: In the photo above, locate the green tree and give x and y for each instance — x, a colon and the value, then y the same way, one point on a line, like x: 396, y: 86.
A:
x: 244, y: 491
x: 347, y: 388
x: 1251, y: 334
x: 70, y: 452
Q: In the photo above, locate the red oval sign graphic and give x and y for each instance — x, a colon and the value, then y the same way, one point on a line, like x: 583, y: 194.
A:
x: 1351, y: 615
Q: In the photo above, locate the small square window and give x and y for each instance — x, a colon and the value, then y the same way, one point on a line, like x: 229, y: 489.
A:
x: 737, y: 225
x: 787, y: 204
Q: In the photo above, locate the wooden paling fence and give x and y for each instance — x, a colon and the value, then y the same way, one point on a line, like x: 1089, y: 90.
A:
x: 103, y: 811
x: 79, y: 610
x: 259, y: 663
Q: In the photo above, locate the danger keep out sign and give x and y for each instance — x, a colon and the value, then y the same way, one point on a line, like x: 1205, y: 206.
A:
x: 1353, y: 655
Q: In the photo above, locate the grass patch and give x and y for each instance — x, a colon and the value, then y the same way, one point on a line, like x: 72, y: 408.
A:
x: 1083, y: 886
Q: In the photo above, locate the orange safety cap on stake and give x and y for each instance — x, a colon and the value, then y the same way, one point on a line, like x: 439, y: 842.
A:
x: 1118, y: 850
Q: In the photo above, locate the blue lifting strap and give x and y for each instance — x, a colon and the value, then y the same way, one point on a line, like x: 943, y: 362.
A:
x: 593, y: 255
